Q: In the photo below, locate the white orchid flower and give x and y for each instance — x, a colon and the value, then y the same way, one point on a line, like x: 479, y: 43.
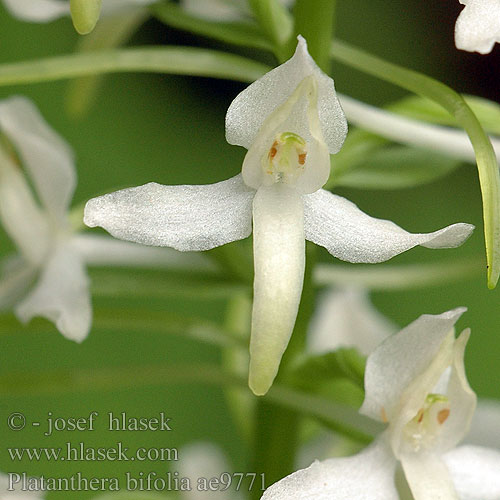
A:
x: 43, y: 11
x: 478, y: 26
x: 48, y: 247
x: 345, y: 317
x: 222, y: 10
x: 415, y: 382
x: 16, y: 493
x: 290, y: 121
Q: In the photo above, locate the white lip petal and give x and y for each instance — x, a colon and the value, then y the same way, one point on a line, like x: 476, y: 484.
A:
x: 351, y: 235
x: 15, y: 278
x: 428, y: 477
x: 183, y: 217
x: 478, y: 26
x: 46, y: 156
x: 19, y: 213
x: 279, y: 257
x: 38, y: 11
x: 61, y: 295
x: 401, y: 359
x: 346, y: 318
x: 366, y: 476
x: 250, y: 108
x: 100, y: 250
x: 475, y: 472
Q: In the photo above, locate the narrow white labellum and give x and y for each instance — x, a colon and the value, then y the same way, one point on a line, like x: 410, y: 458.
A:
x: 279, y: 259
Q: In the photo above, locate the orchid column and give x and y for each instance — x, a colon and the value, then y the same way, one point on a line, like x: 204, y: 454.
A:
x: 290, y: 121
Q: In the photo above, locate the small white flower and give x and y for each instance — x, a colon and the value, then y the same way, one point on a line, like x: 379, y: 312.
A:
x: 43, y: 11
x: 290, y: 121
x: 478, y: 26
x: 415, y: 382
x: 48, y: 247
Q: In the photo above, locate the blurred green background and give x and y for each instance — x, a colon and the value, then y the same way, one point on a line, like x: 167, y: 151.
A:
x: 171, y: 130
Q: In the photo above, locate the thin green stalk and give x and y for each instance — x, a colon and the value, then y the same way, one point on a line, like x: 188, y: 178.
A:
x: 169, y: 60
x: 84, y: 380
x: 276, y: 23
x: 455, y: 104
x: 314, y: 20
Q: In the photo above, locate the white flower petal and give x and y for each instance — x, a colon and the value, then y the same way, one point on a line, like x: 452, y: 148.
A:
x: 46, y: 156
x: 402, y: 358
x: 100, y: 250
x: 351, y: 235
x: 250, y: 108
x: 19, y: 213
x: 16, y: 276
x: 183, y: 217
x: 475, y: 472
x: 462, y: 400
x: 346, y: 318
x: 279, y: 257
x: 61, y: 295
x: 485, y: 426
x: 38, y: 11
x: 366, y: 476
x: 428, y: 477
x: 478, y: 26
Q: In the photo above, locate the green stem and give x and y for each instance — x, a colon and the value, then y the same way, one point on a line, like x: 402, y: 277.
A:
x: 169, y: 60
x: 314, y: 20
x: 276, y: 23
x: 276, y: 427
x: 455, y: 104
x: 72, y: 381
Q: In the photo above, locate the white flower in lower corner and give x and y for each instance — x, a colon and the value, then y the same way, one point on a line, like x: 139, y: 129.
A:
x: 415, y: 382
x: 43, y: 11
x: 478, y: 26
x: 290, y: 121
x: 51, y: 255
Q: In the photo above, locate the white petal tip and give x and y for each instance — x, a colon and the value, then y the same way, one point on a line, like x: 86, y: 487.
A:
x: 450, y: 237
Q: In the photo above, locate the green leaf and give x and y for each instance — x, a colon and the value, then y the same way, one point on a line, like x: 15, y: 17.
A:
x: 317, y: 370
x: 73, y: 381
x: 162, y: 59
x: 396, y: 276
x: 396, y: 167
x: 455, y: 104
x: 235, y: 33
x: 420, y: 108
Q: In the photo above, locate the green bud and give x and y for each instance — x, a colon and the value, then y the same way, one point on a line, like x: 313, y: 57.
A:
x: 85, y: 14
